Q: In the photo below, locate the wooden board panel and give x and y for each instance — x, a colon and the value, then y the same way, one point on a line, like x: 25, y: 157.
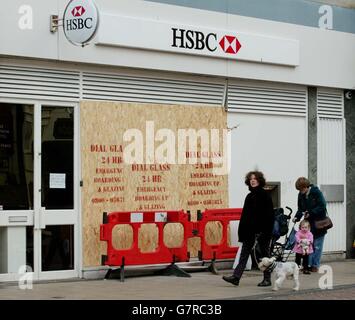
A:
x: 159, y: 180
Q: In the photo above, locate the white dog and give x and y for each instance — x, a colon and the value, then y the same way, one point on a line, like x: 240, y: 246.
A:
x: 282, y: 271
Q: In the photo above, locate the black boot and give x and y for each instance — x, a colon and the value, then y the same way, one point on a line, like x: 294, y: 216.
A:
x: 266, y: 281
x: 231, y: 279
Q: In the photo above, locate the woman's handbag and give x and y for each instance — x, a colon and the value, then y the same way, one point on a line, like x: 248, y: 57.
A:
x: 323, y: 224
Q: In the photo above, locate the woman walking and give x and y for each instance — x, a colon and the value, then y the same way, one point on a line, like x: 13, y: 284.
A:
x: 257, y: 219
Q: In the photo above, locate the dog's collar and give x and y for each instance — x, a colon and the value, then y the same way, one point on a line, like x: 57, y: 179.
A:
x: 271, y: 267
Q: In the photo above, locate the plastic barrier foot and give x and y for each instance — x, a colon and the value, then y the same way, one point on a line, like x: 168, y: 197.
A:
x: 173, y: 270
x: 108, y: 274
x: 115, y: 274
x: 112, y: 274
x: 122, y: 273
x: 212, y: 268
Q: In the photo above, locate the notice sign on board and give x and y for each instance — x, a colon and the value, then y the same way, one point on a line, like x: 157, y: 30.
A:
x: 57, y: 181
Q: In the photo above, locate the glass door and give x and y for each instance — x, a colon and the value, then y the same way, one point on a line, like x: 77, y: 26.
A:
x: 56, y: 221
x: 38, y: 192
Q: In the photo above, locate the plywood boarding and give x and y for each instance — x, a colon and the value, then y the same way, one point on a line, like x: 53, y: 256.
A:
x: 110, y: 184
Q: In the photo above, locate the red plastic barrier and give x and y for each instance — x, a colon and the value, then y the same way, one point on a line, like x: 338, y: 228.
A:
x: 133, y: 255
x: 221, y: 250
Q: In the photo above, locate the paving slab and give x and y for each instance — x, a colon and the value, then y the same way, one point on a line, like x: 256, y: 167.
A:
x: 200, y: 286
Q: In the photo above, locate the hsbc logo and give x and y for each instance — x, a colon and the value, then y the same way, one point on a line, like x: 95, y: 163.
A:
x: 77, y: 23
x: 78, y: 11
x: 197, y: 40
x: 81, y: 19
x: 230, y: 44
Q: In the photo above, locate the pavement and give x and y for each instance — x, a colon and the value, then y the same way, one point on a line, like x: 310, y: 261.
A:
x: 337, y: 276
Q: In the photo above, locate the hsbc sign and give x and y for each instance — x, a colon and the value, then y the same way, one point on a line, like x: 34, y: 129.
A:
x: 197, y: 40
x: 164, y: 36
x: 80, y: 21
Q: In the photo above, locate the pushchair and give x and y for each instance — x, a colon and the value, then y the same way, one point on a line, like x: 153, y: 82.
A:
x: 282, y: 250
x: 279, y: 249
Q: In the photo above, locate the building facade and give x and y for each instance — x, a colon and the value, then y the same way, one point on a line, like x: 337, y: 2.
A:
x: 279, y: 77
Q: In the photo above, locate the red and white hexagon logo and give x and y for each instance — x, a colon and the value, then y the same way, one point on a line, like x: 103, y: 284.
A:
x: 78, y: 11
x: 230, y: 44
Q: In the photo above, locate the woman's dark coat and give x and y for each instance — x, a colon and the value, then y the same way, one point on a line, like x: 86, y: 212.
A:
x: 257, y: 216
x: 315, y: 204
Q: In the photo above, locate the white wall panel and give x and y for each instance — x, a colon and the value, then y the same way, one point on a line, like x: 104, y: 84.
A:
x: 331, y: 151
x: 335, y: 240
x: 331, y: 160
x: 331, y: 170
x: 276, y: 145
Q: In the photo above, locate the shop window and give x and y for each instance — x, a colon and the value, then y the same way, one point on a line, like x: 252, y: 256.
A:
x: 16, y: 157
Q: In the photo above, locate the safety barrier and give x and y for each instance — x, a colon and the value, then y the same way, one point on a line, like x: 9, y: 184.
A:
x: 221, y: 250
x: 164, y: 254
x: 133, y: 255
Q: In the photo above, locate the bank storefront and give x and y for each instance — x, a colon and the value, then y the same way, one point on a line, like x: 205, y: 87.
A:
x: 104, y: 127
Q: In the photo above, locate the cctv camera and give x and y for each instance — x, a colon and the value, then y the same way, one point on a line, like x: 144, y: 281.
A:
x: 348, y: 95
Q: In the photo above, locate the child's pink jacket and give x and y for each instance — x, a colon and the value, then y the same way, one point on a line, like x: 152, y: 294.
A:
x: 303, y: 235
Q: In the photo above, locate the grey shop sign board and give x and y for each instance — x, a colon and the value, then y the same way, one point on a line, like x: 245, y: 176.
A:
x: 333, y: 192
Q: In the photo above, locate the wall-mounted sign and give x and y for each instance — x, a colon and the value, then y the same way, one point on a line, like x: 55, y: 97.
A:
x: 80, y: 21
x: 158, y: 35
